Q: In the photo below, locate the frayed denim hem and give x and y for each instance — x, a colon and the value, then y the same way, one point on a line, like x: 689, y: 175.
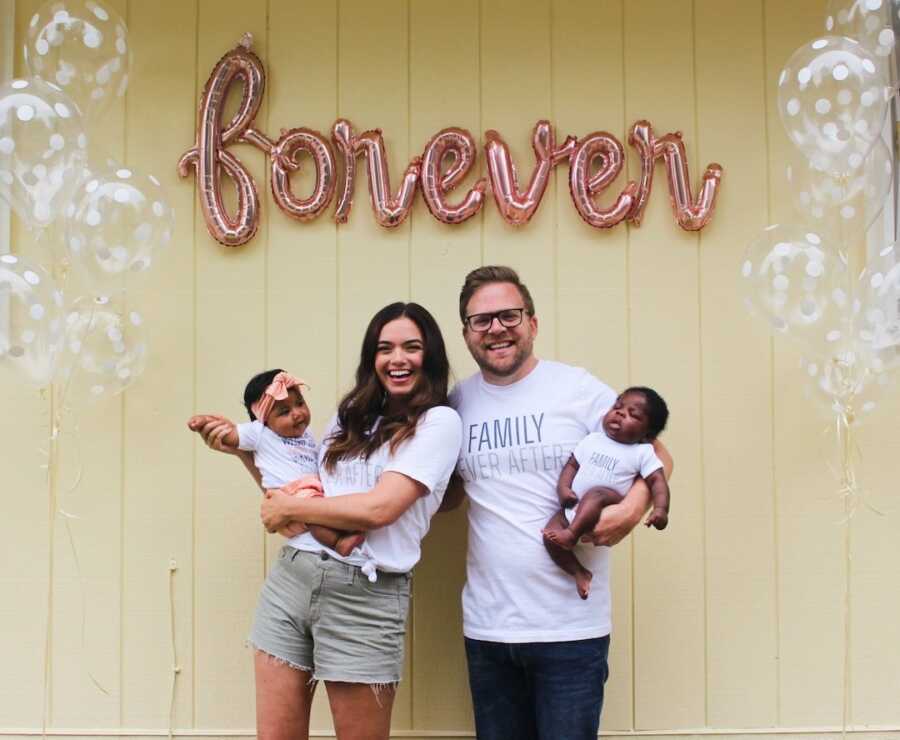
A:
x: 378, y: 687
x: 282, y: 661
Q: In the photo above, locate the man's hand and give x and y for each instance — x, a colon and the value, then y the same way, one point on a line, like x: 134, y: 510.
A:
x: 274, y: 510
x: 616, y: 523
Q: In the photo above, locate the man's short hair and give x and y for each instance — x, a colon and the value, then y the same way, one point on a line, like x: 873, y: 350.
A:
x: 487, y: 274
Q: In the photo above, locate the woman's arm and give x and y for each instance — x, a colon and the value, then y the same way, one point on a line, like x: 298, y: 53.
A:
x: 617, y: 521
x: 392, y: 495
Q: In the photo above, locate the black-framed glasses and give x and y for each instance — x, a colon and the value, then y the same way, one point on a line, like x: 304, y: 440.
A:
x: 508, y: 318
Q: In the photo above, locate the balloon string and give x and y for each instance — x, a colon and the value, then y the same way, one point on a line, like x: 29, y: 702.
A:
x: 176, y: 668
x: 849, y: 491
x: 52, y: 458
x: 83, y: 608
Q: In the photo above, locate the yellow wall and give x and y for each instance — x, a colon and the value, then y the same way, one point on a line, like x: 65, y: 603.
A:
x: 731, y: 619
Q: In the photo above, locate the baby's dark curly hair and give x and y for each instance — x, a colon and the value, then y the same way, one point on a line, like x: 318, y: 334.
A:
x: 657, y: 410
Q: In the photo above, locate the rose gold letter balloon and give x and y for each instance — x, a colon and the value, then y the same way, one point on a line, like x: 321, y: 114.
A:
x: 516, y: 207
x: 390, y: 211
x: 607, y: 148
x: 209, y: 158
x: 342, y: 136
x: 689, y: 215
x: 459, y: 144
x: 641, y: 138
x: 284, y: 160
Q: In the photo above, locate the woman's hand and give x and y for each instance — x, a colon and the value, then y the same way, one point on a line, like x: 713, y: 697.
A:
x: 276, y: 509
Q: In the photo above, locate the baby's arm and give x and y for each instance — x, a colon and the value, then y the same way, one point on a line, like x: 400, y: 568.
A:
x: 567, y: 497
x: 227, y: 432
x: 659, y: 491
x: 217, y: 435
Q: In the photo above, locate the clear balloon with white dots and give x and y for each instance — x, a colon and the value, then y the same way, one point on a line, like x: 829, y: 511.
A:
x: 31, y: 339
x: 81, y: 46
x: 105, y: 348
x: 42, y: 149
x: 833, y: 101
x: 117, y: 223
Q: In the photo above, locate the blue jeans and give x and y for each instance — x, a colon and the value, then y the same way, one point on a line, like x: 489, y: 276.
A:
x: 537, y: 690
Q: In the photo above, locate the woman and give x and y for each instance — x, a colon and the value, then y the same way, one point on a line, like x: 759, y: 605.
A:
x: 384, y: 464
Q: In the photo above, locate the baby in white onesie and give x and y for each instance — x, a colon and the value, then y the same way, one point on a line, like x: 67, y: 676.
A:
x: 284, y: 450
x: 600, y: 471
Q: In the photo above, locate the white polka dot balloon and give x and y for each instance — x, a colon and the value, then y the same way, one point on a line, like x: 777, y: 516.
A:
x: 82, y: 46
x: 787, y: 277
x: 121, y: 218
x: 842, y: 203
x: 879, y: 322
x: 41, y: 152
x: 833, y: 101
x: 867, y: 22
x: 842, y: 381
x: 32, y: 339
x: 105, y: 348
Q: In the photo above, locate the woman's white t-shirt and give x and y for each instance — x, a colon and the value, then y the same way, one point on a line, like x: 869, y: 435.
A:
x: 428, y: 458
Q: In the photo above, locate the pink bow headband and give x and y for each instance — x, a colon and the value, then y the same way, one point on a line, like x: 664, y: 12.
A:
x: 277, y: 391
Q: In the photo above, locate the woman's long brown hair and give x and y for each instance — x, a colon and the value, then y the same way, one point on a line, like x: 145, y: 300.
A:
x: 356, y: 434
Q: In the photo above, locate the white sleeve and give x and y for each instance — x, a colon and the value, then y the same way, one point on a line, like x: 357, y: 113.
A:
x: 249, y: 435
x: 431, y: 455
x: 648, y: 460
x: 599, y: 398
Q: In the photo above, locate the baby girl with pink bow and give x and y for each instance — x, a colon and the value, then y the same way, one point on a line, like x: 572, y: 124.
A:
x: 284, y: 450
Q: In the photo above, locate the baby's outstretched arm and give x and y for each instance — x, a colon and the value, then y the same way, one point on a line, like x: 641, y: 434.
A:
x: 214, y: 428
x: 220, y: 434
x: 659, y: 491
x: 567, y: 497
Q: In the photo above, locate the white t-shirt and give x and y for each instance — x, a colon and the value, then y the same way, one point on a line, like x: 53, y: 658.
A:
x: 604, y: 462
x: 429, y: 458
x: 516, y: 440
x: 280, y: 460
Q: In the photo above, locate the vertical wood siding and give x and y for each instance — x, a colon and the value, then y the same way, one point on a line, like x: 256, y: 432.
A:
x: 732, y: 618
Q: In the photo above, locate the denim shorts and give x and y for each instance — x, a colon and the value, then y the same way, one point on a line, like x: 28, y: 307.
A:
x: 323, y: 616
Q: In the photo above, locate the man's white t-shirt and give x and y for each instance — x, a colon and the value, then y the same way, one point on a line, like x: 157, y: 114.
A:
x: 604, y: 462
x: 516, y: 440
x: 280, y: 460
x: 428, y: 458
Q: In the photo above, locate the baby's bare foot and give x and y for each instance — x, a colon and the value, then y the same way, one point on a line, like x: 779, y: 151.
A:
x: 564, y: 538
x: 583, y: 582
x: 344, y: 546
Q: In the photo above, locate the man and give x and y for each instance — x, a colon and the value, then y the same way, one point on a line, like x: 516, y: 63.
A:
x: 537, y: 653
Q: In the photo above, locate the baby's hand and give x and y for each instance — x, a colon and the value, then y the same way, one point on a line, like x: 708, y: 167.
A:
x: 198, y: 421
x: 658, y: 518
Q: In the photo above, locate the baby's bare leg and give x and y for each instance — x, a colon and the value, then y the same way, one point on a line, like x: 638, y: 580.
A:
x: 566, y: 559
x: 337, y: 539
x: 587, y: 514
